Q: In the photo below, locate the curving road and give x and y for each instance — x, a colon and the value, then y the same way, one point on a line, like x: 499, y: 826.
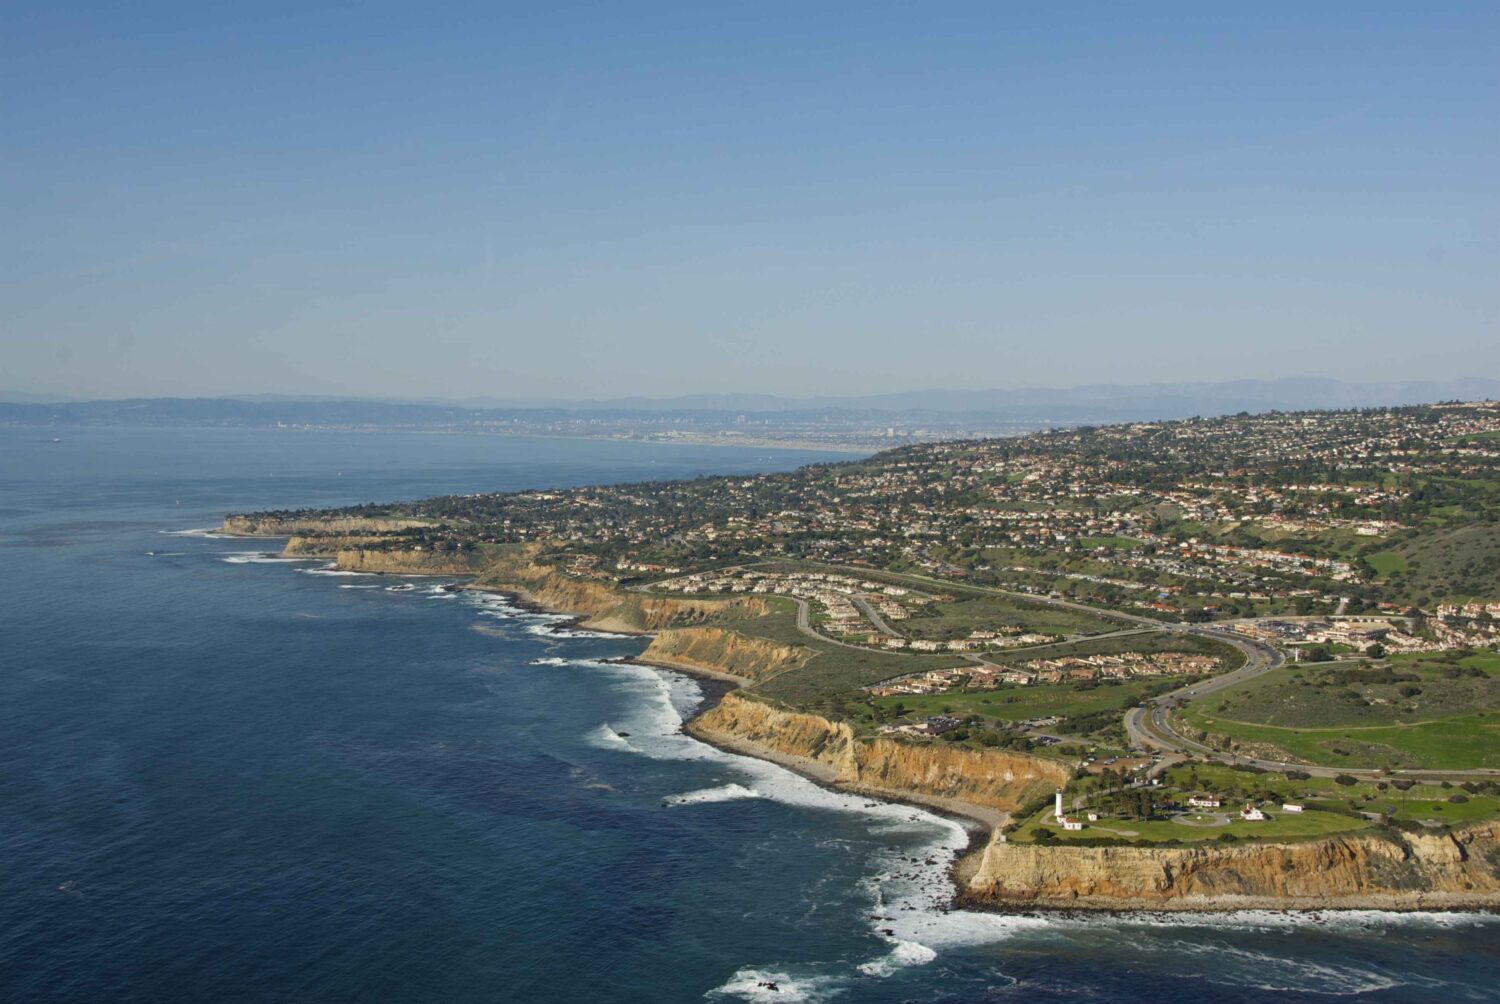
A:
x: 1149, y: 726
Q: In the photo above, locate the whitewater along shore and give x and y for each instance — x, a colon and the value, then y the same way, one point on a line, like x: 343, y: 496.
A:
x: 1382, y: 870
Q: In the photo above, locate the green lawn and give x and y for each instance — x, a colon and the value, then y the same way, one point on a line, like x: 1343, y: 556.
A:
x: 1463, y: 742
x: 1016, y: 704
x: 1386, y: 562
x: 1430, y: 715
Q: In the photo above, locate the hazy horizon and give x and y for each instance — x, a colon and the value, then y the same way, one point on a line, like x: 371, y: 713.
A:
x: 585, y: 202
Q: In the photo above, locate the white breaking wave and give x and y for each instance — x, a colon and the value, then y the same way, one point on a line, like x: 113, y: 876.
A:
x: 723, y: 793
x: 255, y: 558
x: 605, y: 737
x: 1264, y: 971
x: 562, y: 632
x: 330, y: 569
x: 549, y: 629
x: 207, y: 532
x: 776, y: 985
x: 909, y: 891
x: 356, y: 585
x: 906, y: 953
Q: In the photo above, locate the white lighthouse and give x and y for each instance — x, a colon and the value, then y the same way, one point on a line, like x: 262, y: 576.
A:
x: 1058, y: 812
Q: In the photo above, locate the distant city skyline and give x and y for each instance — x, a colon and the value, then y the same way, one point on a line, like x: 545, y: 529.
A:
x: 588, y: 202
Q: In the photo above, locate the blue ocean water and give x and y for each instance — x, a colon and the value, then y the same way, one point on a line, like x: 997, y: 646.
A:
x: 230, y: 778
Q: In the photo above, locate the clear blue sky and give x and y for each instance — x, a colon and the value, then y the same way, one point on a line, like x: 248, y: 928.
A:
x: 601, y: 199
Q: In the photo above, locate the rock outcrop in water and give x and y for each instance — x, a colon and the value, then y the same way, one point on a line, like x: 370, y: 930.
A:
x: 1438, y: 870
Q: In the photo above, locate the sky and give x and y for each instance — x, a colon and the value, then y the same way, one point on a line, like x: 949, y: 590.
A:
x: 593, y: 200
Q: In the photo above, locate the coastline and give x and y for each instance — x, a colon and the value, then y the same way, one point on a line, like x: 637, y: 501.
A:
x: 980, y: 823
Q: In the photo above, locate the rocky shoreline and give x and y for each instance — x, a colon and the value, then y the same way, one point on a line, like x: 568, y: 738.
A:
x: 1458, y: 871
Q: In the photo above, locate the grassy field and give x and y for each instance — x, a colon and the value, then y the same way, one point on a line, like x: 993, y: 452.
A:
x: 1427, y: 711
x: 1428, y: 802
x: 978, y: 611
x: 1445, y: 563
x: 1021, y: 703
x: 1460, y: 743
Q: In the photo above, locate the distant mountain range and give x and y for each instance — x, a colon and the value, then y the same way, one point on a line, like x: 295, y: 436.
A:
x: 945, y: 408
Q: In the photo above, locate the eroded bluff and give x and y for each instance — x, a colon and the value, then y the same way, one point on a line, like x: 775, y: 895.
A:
x: 1375, y: 870
x: 996, y: 779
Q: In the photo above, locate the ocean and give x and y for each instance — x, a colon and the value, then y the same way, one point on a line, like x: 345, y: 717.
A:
x: 228, y: 777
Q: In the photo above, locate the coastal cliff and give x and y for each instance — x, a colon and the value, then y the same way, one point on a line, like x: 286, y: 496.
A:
x: 1373, y: 869
x: 603, y: 607
x: 415, y: 560
x: 325, y: 546
x: 273, y: 526
x: 1438, y: 870
x: 721, y: 652
x: 948, y: 776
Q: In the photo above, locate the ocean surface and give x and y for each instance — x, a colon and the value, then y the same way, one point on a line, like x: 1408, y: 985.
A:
x: 226, y: 777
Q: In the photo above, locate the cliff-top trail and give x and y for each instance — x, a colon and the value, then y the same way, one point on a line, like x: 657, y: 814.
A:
x: 1255, y: 655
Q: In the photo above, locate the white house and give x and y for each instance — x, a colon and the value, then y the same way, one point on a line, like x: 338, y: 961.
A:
x: 1204, y: 802
x: 1072, y: 824
x: 1290, y: 807
x: 1251, y: 814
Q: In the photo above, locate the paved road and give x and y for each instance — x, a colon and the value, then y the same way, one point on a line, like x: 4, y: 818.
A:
x: 1150, y: 728
x: 870, y: 612
x: 805, y: 626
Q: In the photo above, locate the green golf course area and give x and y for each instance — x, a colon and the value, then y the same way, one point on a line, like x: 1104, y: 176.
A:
x: 1430, y: 711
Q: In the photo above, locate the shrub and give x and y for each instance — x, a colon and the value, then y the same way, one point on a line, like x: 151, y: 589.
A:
x: 1345, y: 780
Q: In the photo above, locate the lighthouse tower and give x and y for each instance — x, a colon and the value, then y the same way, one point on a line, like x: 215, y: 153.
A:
x: 1058, y: 813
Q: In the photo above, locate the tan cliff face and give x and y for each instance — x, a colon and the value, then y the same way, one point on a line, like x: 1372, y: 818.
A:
x: 409, y: 561
x: 602, y: 606
x: 996, y: 779
x: 325, y: 545
x: 716, y: 650
x: 1395, y: 871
